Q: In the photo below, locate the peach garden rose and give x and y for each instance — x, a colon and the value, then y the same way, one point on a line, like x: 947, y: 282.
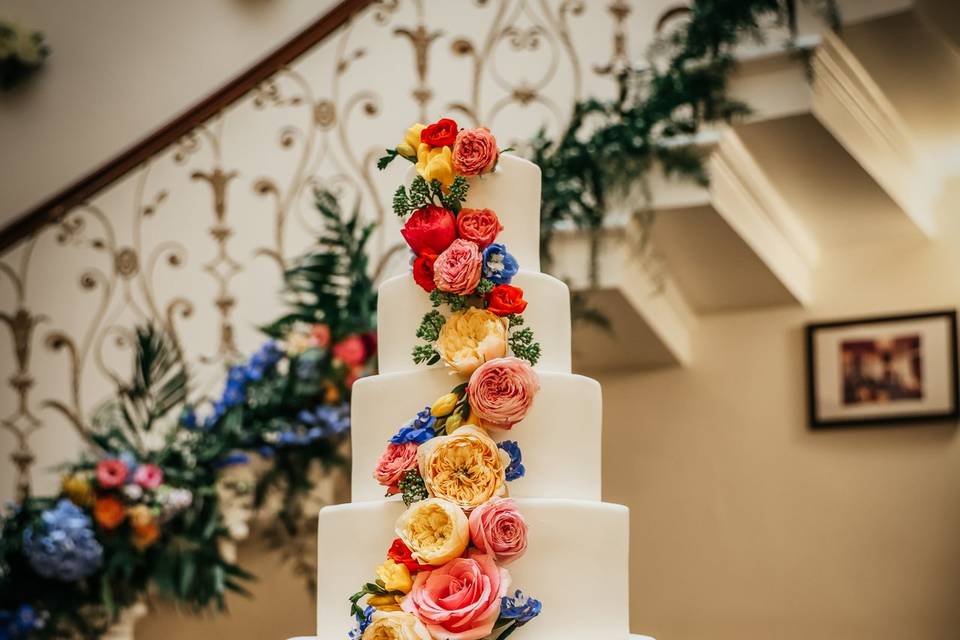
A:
x: 471, y: 337
x: 395, y: 625
x: 497, y: 527
x: 394, y: 463
x: 465, y: 468
x: 501, y: 391
x: 475, y: 152
x: 457, y: 269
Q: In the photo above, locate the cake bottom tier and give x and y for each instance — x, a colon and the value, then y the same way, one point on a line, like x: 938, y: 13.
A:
x: 576, y: 563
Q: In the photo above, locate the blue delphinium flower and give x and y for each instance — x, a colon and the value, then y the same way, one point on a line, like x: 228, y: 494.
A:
x: 239, y: 377
x: 188, y: 418
x: 66, y: 549
x: 520, y: 608
x: 362, y: 623
x: 499, y: 267
x: 20, y: 623
x: 515, y: 470
x: 418, y: 430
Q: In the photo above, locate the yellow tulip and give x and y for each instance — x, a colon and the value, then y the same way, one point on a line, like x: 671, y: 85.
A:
x: 444, y: 405
x: 435, y: 163
x: 384, y: 603
x: 411, y: 141
x: 395, y: 576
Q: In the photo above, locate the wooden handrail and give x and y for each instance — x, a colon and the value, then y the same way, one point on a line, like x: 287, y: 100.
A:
x: 114, y: 169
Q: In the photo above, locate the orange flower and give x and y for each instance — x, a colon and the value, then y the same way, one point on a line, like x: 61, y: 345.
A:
x: 108, y: 512
x: 145, y: 535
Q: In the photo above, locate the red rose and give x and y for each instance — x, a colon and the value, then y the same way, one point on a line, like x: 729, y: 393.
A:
x: 423, y: 271
x: 400, y: 553
x: 505, y: 300
x: 479, y: 225
x: 440, y: 133
x: 430, y: 230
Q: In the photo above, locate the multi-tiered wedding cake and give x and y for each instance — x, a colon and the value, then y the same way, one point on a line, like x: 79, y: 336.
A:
x: 484, y: 520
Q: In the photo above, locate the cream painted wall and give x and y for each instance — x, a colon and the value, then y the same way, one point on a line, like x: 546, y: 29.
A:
x: 120, y: 69
x: 746, y: 524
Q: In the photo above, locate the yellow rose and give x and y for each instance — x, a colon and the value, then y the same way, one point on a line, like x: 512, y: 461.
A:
x: 385, y: 603
x: 436, y: 531
x: 465, y: 468
x: 411, y: 141
x: 435, y: 163
x: 444, y: 405
x: 77, y: 488
x: 395, y: 625
x: 470, y: 338
x: 395, y: 576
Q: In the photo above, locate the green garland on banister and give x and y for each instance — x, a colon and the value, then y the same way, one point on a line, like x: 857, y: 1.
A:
x: 609, y: 147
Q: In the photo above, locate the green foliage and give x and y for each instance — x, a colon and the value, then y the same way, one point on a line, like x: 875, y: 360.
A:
x: 413, y: 488
x: 430, y: 326
x: 420, y: 194
x: 425, y: 353
x: 605, y: 155
x: 452, y: 300
x: 524, y: 346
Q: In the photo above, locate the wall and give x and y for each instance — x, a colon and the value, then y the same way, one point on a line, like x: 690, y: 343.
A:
x: 124, y: 68
x: 746, y: 524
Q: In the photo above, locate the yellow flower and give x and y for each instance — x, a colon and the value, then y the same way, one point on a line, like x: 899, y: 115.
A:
x: 78, y: 489
x: 465, y: 468
x: 395, y: 576
x: 436, y: 531
x: 470, y: 338
x: 444, y: 405
x: 395, y: 625
x: 453, y: 422
x: 384, y: 603
x: 435, y: 163
x: 140, y: 516
x: 411, y: 141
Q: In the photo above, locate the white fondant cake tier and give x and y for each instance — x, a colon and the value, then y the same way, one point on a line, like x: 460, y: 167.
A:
x: 402, y: 304
x: 560, y: 438
x: 512, y: 191
x: 576, y: 564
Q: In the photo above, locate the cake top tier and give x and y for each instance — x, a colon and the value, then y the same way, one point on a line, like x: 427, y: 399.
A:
x: 512, y: 191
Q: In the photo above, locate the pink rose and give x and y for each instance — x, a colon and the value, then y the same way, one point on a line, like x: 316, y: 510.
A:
x: 498, y: 528
x: 457, y: 270
x: 111, y: 473
x: 148, y: 476
x: 479, y: 225
x: 394, y: 463
x: 501, y: 391
x: 351, y: 350
x: 475, y: 152
x: 461, y: 599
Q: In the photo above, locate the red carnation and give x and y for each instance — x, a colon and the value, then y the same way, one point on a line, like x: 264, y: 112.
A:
x: 401, y: 554
x: 430, y: 230
x: 505, y: 300
x: 440, y: 133
x: 423, y: 271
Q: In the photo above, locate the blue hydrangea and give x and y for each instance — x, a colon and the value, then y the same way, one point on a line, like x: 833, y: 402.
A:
x: 499, y: 267
x: 239, y: 377
x: 66, y: 549
x: 515, y: 470
x: 362, y: 623
x: 20, y: 623
x: 520, y: 608
x: 418, y: 430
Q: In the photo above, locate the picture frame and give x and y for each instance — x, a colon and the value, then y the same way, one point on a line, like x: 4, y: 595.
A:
x: 883, y: 370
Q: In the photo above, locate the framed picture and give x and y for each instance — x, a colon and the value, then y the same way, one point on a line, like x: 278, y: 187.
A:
x: 883, y: 370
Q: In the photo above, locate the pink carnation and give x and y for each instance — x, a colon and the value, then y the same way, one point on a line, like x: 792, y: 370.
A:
x: 501, y: 391
x: 461, y: 599
x: 395, y: 461
x: 498, y: 528
x: 457, y: 269
x: 351, y: 350
x: 475, y: 152
x: 148, y: 476
x: 111, y: 473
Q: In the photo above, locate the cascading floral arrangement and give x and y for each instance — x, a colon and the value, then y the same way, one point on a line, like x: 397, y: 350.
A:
x: 456, y: 258
x: 445, y: 574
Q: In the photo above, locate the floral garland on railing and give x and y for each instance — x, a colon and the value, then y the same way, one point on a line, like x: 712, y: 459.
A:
x: 445, y: 574
x: 456, y: 258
